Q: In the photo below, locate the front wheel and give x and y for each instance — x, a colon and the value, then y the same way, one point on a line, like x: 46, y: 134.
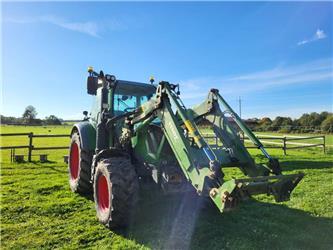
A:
x: 115, y: 191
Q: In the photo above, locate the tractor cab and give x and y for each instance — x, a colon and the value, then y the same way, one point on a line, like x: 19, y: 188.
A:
x: 126, y: 95
x: 130, y: 95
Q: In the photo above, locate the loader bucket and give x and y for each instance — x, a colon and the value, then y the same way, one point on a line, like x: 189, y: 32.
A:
x: 231, y: 192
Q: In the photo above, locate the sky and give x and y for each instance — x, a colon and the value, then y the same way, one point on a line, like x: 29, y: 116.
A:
x: 275, y: 56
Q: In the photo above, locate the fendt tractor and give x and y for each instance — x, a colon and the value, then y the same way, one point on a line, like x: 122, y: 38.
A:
x: 142, y: 131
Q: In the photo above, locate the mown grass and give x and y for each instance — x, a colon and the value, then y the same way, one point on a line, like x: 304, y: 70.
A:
x: 39, y: 211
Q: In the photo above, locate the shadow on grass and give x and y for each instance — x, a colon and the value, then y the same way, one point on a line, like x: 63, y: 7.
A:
x: 298, y: 165
x: 49, y: 165
x: 181, y: 223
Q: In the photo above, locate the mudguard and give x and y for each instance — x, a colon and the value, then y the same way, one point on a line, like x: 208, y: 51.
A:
x: 87, y: 135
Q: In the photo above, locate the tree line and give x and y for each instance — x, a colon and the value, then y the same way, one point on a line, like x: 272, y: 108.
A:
x: 308, y: 123
x: 29, y: 117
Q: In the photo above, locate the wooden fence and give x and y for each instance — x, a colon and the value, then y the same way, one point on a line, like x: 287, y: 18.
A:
x: 268, y: 141
x: 30, y: 145
x: 283, y: 142
x: 288, y: 143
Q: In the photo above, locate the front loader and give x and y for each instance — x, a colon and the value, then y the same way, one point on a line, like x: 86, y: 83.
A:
x: 138, y: 132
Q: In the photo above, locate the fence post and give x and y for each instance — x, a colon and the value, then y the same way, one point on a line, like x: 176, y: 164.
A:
x: 324, y: 143
x: 284, y: 146
x: 30, y: 146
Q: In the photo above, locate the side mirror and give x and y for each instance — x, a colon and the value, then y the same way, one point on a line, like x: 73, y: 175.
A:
x: 92, y: 85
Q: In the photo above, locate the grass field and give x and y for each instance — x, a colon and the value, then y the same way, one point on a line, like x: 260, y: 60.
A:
x: 39, y: 211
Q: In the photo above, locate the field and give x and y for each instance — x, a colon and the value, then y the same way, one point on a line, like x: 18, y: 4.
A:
x: 39, y: 211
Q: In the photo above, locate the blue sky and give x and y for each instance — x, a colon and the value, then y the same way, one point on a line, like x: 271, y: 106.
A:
x: 276, y: 56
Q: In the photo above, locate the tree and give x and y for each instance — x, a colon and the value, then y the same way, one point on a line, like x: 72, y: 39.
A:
x: 10, y: 120
x: 284, y: 124
x: 327, y: 124
x: 312, y: 122
x: 52, y: 120
x: 29, y: 114
x: 264, y: 124
x: 324, y: 115
x: 265, y: 120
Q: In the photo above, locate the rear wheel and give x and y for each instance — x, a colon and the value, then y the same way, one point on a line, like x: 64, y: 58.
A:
x: 115, y: 191
x: 79, y: 167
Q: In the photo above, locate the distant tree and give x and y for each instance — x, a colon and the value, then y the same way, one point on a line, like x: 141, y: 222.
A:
x: 29, y: 114
x: 287, y: 125
x: 324, y: 115
x: 315, y: 119
x: 8, y: 120
x: 37, y: 122
x: 265, y: 120
x: 311, y: 122
x: 264, y: 124
x: 282, y: 124
x: 52, y: 120
x: 327, y: 124
x: 277, y: 123
x: 305, y: 120
x: 252, y: 123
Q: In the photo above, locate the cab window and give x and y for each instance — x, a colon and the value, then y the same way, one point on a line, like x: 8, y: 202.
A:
x: 125, y: 103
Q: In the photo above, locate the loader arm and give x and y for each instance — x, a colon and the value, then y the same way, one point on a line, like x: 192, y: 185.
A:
x: 211, y: 109
x: 195, y: 157
x: 280, y: 186
x: 201, y: 164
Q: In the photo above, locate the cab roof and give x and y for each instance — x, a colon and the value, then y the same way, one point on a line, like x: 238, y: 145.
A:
x: 134, y: 88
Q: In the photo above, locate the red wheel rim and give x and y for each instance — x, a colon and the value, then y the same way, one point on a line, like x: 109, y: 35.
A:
x: 74, y: 161
x: 102, y: 193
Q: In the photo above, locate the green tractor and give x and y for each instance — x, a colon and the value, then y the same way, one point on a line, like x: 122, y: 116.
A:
x: 143, y: 132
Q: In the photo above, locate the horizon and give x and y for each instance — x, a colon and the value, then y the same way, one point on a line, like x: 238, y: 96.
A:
x: 277, y: 57
x: 248, y: 118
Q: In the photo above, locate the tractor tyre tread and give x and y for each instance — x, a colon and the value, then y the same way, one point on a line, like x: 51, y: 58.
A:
x: 125, y: 188
x: 82, y: 185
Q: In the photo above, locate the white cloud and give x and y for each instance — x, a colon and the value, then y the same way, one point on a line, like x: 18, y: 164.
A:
x: 90, y: 28
x: 307, y: 73
x: 320, y: 34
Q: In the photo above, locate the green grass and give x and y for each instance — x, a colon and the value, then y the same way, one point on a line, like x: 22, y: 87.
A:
x: 39, y: 211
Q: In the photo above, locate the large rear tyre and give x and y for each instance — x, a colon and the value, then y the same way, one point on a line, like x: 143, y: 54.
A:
x: 115, y: 191
x: 79, y: 167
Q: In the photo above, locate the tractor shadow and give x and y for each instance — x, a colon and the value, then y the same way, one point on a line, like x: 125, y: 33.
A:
x: 187, y: 222
x: 36, y: 168
x: 301, y: 165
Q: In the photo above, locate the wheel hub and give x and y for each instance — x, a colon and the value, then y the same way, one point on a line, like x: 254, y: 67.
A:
x: 103, y: 194
x: 74, y: 161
